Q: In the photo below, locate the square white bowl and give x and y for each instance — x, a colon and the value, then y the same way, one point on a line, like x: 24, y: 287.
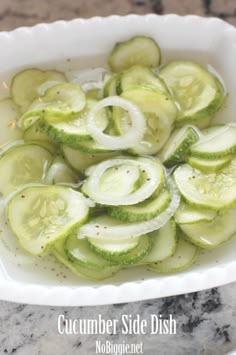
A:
x: 62, y: 45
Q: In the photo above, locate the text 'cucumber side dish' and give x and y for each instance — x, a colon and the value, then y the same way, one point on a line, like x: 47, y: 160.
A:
x: 121, y: 169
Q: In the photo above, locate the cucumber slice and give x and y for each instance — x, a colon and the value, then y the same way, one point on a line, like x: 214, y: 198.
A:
x: 137, y: 50
x: 26, y: 84
x: 134, y: 256
x: 197, y: 92
x: 114, y: 247
x: 159, y: 111
x: 82, y: 271
x: 80, y: 251
x: 200, y: 123
x: 218, y: 143
x: 59, y: 172
x: 36, y: 133
x: 80, y: 161
x: 177, y: 146
x: 164, y: 243
x: 207, y: 165
x: 184, y: 256
x: 39, y: 215
x: 186, y: 214
x: 92, y: 146
x: 61, y: 102
x: 73, y: 131
x: 139, y: 75
x: 9, y: 115
x: 23, y: 164
x: 142, y: 211
x: 123, y: 180
x: 110, y: 88
x: 215, y: 190
x: 213, y: 233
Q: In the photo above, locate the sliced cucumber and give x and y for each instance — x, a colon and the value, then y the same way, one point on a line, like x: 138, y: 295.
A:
x: 164, y: 243
x: 123, y: 180
x: 80, y: 251
x: 36, y: 133
x: 218, y: 143
x: 139, y: 75
x: 184, y: 256
x: 39, y: 215
x: 92, y: 146
x: 61, y: 102
x: 134, y: 256
x: 59, y: 172
x: 23, y: 164
x: 200, y: 123
x: 113, y: 247
x: 186, y: 214
x: 213, y: 233
x: 82, y: 271
x: 26, y: 84
x: 80, y: 160
x: 159, y: 111
x: 142, y: 211
x: 9, y: 115
x: 215, y: 190
x: 177, y: 146
x: 110, y: 88
x: 73, y: 131
x: 208, y: 165
x: 197, y: 91
x: 137, y: 50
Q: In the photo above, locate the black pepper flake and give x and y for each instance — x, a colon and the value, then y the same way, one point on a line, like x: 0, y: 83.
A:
x: 22, y: 196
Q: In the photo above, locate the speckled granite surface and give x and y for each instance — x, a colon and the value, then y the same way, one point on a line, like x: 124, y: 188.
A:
x: 206, y: 321
x: 206, y: 325
x: 14, y: 13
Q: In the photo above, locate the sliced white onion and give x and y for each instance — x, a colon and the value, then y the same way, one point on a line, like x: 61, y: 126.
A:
x: 154, y: 177
x: 52, y: 171
x: 131, y: 137
x: 131, y: 230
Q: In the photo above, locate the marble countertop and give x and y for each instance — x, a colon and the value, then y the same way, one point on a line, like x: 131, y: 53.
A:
x: 206, y: 325
x: 206, y: 321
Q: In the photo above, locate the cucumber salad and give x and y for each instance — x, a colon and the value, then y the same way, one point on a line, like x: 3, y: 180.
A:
x: 121, y: 169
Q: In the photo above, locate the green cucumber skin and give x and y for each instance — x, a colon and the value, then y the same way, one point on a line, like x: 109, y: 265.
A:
x: 123, y: 213
x: 50, y: 243
x: 108, y: 254
x: 119, y: 82
x: 182, y: 150
x: 119, y: 45
x: 206, y: 246
x: 208, y: 111
x: 168, y: 270
x: 81, y: 271
x: 87, y: 263
x: 215, y: 155
x: 201, y: 244
x: 203, y: 204
x: 171, y: 251
x: 128, y: 259
x: 208, y: 169
x: 59, y: 136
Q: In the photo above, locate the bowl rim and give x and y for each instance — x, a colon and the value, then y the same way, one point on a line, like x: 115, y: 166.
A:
x: 131, y: 291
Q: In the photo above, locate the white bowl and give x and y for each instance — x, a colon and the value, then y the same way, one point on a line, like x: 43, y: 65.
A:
x: 64, y: 45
